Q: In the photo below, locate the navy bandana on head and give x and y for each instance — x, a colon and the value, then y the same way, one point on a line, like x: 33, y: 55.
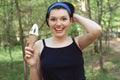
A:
x: 62, y: 5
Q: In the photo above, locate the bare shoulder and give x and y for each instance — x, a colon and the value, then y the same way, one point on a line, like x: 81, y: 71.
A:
x: 85, y: 40
x: 77, y: 41
x: 38, y: 47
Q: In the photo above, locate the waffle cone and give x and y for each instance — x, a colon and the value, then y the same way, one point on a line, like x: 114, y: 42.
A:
x: 32, y: 39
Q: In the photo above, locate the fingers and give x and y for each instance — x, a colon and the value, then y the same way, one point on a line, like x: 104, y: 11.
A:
x: 75, y: 17
x: 27, y: 43
x: 29, y: 49
x: 29, y: 52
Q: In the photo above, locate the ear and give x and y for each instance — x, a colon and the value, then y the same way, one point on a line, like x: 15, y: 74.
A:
x: 71, y: 20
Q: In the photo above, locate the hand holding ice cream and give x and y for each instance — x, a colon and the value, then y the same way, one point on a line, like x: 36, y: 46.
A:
x: 30, y: 57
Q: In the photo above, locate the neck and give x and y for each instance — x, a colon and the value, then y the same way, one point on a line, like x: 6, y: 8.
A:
x: 60, y: 39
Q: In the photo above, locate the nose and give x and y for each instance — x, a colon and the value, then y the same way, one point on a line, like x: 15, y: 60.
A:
x: 58, y: 22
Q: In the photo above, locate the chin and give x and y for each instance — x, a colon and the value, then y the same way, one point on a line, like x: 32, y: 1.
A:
x: 60, y: 35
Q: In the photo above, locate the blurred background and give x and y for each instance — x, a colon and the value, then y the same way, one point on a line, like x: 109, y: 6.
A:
x: 17, y: 17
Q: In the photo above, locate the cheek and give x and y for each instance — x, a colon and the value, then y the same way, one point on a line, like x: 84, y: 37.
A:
x: 68, y: 24
x: 50, y: 23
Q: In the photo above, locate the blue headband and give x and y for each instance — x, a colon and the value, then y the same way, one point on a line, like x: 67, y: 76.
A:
x: 60, y: 4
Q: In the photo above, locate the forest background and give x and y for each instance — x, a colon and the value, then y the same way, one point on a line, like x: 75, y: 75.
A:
x: 17, y: 17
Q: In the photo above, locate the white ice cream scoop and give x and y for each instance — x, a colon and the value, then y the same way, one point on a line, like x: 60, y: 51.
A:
x: 34, y: 30
x: 33, y: 35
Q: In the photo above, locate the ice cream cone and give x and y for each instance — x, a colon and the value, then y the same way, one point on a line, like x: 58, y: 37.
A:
x: 33, y: 35
x: 32, y: 40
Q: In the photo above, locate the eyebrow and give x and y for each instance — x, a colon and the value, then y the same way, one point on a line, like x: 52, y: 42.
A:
x: 60, y: 16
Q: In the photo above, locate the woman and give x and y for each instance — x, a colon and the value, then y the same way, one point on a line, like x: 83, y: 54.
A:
x: 60, y: 56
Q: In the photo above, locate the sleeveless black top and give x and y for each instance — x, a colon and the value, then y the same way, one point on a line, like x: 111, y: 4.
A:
x: 64, y: 63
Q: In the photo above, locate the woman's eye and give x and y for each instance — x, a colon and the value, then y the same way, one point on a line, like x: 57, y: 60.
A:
x: 64, y: 19
x: 52, y: 19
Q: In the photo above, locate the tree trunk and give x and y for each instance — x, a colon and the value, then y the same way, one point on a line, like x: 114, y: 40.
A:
x: 100, y: 12
x: 22, y: 39
x: 89, y: 9
x: 91, y: 51
x: 8, y: 30
x: 109, y: 24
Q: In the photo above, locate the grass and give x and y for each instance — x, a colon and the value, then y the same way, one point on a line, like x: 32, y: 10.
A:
x: 12, y: 71
x: 16, y: 72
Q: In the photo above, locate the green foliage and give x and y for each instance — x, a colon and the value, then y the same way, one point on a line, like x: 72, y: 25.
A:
x: 8, y: 72
x: 100, y: 75
x: 73, y: 31
x: 14, y: 73
x: 16, y: 53
x: 9, y: 37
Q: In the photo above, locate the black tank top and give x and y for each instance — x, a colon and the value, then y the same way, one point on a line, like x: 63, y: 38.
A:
x: 64, y: 63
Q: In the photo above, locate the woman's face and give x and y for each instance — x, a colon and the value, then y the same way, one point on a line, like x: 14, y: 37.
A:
x: 59, y: 22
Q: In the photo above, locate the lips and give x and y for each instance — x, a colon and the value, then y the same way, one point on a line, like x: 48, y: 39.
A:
x: 59, y: 29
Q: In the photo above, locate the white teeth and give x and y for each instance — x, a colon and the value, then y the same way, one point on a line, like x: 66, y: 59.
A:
x: 58, y: 29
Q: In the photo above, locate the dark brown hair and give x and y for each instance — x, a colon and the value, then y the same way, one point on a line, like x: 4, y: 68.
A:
x: 71, y: 7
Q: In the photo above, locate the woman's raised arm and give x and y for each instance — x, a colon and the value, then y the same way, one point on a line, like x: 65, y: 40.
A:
x: 92, y: 28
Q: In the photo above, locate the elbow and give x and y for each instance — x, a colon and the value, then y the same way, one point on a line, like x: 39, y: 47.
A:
x: 98, y: 31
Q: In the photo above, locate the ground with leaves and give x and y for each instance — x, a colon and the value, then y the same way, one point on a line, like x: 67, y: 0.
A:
x: 115, y: 45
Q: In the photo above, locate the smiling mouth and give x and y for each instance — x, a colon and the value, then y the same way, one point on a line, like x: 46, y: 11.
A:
x: 59, y: 29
